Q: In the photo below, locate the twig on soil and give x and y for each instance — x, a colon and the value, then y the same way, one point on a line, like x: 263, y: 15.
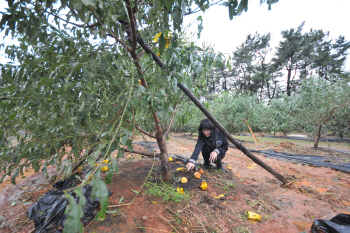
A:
x: 342, y: 204
x: 132, y: 184
x: 169, y: 223
x: 173, y: 213
x: 150, y: 229
x: 208, y: 219
x: 87, y: 226
x: 111, y: 206
x: 199, y: 221
x: 296, y: 187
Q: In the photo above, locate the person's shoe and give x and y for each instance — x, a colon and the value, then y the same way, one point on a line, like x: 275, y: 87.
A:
x: 221, y: 168
x: 206, y: 166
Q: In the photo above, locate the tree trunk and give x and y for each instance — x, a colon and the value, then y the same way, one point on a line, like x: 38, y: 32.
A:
x: 317, y: 136
x: 289, y: 85
x: 166, y: 173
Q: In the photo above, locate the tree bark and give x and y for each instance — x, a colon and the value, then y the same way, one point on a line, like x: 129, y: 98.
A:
x: 317, y: 136
x: 289, y: 85
x: 238, y: 144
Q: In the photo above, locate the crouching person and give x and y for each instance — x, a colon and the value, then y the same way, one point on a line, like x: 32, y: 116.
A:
x: 213, y: 145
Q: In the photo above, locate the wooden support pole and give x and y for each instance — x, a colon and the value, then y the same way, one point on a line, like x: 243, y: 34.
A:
x: 238, y: 144
x: 251, y: 131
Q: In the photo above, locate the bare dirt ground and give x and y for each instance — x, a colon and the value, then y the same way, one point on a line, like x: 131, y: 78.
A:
x: 314, y: 193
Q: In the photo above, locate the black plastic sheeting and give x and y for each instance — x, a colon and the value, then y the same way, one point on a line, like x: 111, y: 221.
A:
x: 331, y: 139
x: 150, y: 146
x: 312, y: 160
x: 48, y: 212
x: 338, y: 224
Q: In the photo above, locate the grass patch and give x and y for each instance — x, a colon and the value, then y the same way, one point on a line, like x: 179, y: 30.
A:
x: 166, y: 191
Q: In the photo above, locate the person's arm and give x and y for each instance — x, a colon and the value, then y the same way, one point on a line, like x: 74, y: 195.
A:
x: 224, y: 145
x: 197, y: 149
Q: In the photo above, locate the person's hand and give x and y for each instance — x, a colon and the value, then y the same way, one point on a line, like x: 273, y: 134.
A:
x: 189, y: 166
x: 213, y: 156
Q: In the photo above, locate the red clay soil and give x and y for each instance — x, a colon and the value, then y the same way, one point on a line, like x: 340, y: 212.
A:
x: 312, y: 193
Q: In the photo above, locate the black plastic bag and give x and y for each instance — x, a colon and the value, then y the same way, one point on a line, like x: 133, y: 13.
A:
x: 48, y: 212
x: 338, y: 224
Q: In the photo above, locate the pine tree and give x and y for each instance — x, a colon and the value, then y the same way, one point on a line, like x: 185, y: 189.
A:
x: 289, y: 54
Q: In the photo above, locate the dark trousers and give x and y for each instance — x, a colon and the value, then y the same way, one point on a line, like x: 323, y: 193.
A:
x: 206, y: 150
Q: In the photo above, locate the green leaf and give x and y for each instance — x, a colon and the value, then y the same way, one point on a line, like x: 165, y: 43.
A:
x: 74, y: 213
x: 162, y: 42
x: 115, y: 165
x: 112, y: 211
x: 135, y: 191
x: 14, y: 176
x: 121, y: 200
x: 177, y: 16
x: 89, y: 2
x: 2, y: 137
x: 108, y: 177
x: 12, y: 116
x: 99, y: 189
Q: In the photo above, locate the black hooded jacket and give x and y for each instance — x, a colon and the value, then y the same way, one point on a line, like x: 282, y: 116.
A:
x: 216, y: 141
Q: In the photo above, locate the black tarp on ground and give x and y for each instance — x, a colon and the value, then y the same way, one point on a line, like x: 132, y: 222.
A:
x: 338, y: 224
x: 48, y: 212
x: 312, y: 160
x: 331, y: 139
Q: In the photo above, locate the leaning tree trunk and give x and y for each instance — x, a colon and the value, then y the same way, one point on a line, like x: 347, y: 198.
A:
x: 238, y: 144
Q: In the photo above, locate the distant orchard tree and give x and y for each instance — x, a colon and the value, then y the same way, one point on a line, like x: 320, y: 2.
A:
x: 318, y: 107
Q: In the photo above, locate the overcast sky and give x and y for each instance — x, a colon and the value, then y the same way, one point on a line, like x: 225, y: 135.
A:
x: 226, y: 35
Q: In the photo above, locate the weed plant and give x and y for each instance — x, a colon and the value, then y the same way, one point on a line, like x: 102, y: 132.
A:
x: 166, y: 191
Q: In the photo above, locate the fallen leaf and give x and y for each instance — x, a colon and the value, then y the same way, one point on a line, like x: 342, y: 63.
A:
x: 221, y: 195
x: 13, y: 203
x: 251, y: 166
x: 180, y: 190
x: 134, y: 191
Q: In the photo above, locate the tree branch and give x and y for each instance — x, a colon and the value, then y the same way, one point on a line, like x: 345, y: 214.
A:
x: 172, y: 117
x: 140, y: 129
x: 148, y: 50
x: 302, y: 129
x: 335, y: 132
x: 120, y: 41
x: 132, y: 24
x: 75, y: 24
x: 140, y: 55
x: 329, y: 116
x: 198, y: 8
x: 93, y: 12
x: 302, y: 117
